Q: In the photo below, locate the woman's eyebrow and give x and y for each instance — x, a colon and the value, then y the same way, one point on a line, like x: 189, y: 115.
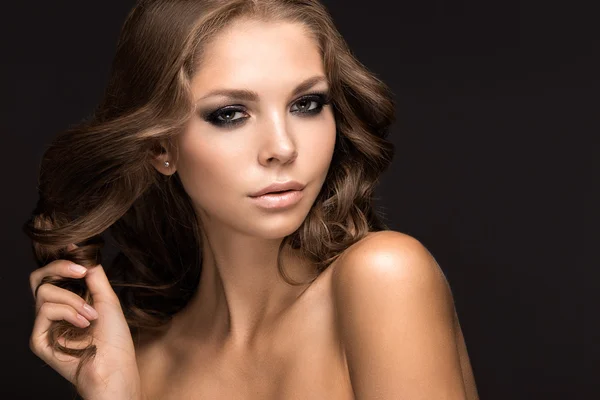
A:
x: 249, y: 95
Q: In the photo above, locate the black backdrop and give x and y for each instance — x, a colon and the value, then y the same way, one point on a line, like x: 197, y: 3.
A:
x: 494, y: 171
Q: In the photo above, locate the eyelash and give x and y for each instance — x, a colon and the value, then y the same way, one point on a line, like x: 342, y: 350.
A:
x: 321, y: 98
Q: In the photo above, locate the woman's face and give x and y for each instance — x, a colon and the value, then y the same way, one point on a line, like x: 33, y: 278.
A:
x: 237, y: 145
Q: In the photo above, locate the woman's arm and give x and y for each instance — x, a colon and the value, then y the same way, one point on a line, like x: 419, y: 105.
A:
x: 396, y: 319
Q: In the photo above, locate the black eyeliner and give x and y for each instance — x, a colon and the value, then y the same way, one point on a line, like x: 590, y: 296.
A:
x: 324, y: 96
x: 321, y: 97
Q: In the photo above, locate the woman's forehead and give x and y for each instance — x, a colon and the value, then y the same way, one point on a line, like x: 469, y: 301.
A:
x: 257, y: 53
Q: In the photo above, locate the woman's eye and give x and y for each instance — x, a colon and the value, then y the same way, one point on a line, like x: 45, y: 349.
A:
x: 305, y: 103
x: 225, y: 117
x: 306, y: 106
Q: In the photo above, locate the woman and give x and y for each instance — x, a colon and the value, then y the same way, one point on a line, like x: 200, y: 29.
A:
x: 233, y: 160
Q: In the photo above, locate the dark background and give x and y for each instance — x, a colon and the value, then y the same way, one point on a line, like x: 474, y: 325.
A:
x: 495, y: 168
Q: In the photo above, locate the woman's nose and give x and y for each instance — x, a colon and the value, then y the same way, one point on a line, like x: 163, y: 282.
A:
x: 278, y: 145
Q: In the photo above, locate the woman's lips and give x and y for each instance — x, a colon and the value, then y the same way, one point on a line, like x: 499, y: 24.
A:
x: 278, y: 201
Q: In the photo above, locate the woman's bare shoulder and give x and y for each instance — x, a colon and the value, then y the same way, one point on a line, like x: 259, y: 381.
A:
x: 396, y: 318
x: 380, y: 244
x: 387, y: 258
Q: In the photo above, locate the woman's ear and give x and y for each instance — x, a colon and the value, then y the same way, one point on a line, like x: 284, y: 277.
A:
x: 163, y: 158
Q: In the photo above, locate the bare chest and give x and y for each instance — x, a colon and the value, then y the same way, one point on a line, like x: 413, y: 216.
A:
x: 302, y: 360
x: 307, y: 375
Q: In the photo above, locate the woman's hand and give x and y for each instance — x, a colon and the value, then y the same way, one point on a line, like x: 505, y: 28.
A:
x: 112, y: 373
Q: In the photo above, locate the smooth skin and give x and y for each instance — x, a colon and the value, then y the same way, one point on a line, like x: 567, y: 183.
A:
x: 379, y: 323
x: 398, y: 324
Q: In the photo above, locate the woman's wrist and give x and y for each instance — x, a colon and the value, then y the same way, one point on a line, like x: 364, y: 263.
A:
x: 120, y: 388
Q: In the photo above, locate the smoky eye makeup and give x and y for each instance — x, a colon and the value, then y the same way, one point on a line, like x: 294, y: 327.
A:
x: 310, y: 104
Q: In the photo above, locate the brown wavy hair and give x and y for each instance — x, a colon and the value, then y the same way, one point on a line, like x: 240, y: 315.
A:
x: 97, y: 177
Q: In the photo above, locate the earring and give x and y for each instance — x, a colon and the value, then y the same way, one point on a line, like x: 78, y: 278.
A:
x: 166, y: 164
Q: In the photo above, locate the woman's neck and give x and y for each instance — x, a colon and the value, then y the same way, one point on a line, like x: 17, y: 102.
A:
x: 241, y: 292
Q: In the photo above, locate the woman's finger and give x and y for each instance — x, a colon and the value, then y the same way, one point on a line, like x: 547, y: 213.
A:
x: 50, y: 312
x: 48, y: 293
x: 60, y: 268
x: 99, y: 286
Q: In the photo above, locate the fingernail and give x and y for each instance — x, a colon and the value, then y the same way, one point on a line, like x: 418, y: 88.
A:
x: 93, y: 313
x: 83, y: 320
x: 78, y: 269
